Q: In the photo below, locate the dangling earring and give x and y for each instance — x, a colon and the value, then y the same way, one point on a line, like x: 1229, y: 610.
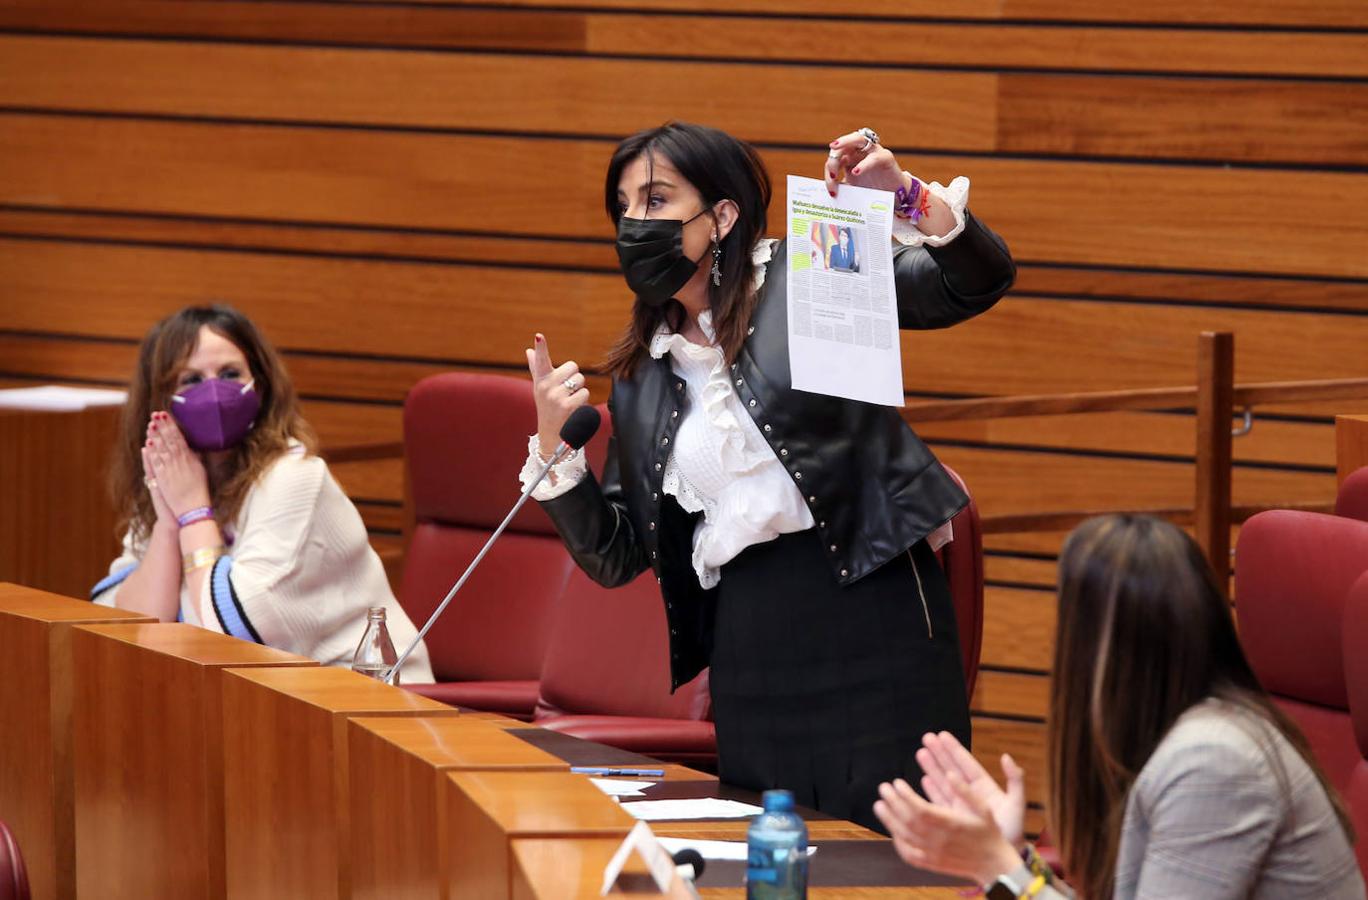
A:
x: 717, y: 262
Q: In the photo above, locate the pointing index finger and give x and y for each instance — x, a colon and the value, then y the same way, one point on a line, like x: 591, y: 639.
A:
x: 541, y: 358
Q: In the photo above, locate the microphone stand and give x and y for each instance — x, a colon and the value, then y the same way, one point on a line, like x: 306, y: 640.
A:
x: 393, y: 672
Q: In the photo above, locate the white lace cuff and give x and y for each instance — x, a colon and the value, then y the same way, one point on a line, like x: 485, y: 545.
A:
x: 563, y: 476
x: 956, y: 196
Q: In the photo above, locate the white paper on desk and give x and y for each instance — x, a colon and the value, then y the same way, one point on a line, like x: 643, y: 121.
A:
x: 705, y: 808
x: 617, y: 787
x: 721, y: 850
x: 59, y: 398
x: 842, y: 312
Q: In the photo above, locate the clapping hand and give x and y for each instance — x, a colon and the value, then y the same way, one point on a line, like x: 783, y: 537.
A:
x: 970, y: 827
x: 942, y: 756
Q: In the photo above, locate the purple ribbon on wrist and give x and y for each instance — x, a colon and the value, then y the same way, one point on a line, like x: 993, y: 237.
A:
x: 198, y: 514
x: 905, y: 201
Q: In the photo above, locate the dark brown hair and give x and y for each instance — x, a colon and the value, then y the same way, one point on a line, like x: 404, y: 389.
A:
x: 1144, y: 634
x: 720, y: 167
x: 163, y: 353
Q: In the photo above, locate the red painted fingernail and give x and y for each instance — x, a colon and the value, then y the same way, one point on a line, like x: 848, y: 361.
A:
x: 834, y: 143
x: 854, y: 171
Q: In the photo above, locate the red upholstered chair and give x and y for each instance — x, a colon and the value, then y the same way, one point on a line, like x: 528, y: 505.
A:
x: 607, y: 676
x: 14, y: 883
x: 1355, y: 650
x: 465, y: 438
x: 1352, y: 499
x: 962, y: 560
x: 1293, y: 571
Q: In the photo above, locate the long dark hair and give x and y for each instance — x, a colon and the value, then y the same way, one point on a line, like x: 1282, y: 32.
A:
x: 1144, y: 634
x: 720, y: 167
x: 164, y: 350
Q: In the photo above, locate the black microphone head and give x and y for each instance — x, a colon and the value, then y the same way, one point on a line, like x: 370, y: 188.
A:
x: 690, y: 857
x: 580, y: 427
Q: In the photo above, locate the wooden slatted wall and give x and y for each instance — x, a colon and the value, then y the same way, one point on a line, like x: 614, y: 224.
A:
x: 398, y: 189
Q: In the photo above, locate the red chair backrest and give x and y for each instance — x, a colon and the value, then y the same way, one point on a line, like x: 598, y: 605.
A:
x: 1355, y: 653
x: 14, y: 883
x: 610, y: 656
x: 1352, y: 499
x: 465, y: 440
x: 962, y: 560
x: 1293, y: 571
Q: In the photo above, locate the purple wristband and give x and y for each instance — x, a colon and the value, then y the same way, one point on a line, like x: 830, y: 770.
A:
x: 198, y: 514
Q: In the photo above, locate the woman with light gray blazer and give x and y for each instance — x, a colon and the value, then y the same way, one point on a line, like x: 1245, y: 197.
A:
x: 1172, y: 773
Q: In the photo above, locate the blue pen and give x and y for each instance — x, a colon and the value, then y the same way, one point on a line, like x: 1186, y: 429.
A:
x: 632, y: 773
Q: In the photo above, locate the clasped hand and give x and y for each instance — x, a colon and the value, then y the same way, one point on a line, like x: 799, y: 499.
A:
x: 174, y: 473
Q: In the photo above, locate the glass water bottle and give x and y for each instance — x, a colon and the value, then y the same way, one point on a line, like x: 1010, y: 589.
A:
x: 375, y: 654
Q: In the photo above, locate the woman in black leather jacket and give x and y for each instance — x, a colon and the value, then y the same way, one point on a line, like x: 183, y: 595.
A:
x: 791, y: 532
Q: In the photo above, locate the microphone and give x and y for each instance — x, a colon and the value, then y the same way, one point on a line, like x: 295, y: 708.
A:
x: 689, y: 863
x: 574, y: 434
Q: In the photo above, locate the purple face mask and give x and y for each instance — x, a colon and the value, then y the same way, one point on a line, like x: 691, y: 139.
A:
x: 216, y: 414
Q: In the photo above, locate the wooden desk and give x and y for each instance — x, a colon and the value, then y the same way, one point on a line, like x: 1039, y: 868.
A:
x: 397, y: 764
x: 286, y: 776
x: 35, y: 729
x: 1351, y: 445
x: 572, y: 869
x: 489, y: 811
x: 149, y: 759
x: 57, y: 522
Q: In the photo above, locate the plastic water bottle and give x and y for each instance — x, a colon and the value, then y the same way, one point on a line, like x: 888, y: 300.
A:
x: 777, y: 851
x: 375, y: 654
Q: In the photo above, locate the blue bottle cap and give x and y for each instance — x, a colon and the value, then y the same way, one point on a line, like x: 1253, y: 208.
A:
x: 778, y: 801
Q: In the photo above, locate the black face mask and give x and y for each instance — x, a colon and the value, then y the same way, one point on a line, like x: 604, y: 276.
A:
x: 652, y: 255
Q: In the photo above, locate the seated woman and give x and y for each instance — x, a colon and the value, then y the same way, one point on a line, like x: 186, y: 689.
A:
x: 230, y: 521
x: 1172, y: 773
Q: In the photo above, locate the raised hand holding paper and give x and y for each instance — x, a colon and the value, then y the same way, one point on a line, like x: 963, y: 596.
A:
x: 842, y: 315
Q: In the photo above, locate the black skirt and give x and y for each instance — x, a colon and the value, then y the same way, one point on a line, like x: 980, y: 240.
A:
x: 826, y: 691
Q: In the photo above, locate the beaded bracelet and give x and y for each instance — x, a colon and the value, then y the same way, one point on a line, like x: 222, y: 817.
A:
x: 198, y: 514
x: 201, y: 558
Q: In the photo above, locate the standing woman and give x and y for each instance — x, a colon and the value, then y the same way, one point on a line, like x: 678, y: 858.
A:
x: 792, y: 533
x: 230, y: 521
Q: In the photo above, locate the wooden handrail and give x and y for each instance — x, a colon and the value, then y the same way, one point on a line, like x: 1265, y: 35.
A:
x: 1300, y: 391
x: 1214, y: 398
x: 1048, y: 404
x: 1244, y: 395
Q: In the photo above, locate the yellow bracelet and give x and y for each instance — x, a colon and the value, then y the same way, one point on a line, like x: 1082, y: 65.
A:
x: 201, y: 558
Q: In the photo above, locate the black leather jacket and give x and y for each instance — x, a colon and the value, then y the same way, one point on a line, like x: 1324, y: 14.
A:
x: 873, y: 487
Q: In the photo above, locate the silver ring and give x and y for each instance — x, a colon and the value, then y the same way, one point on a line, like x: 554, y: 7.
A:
x: 833, y: 154
x: 570, y: 384
x: 871, y: 137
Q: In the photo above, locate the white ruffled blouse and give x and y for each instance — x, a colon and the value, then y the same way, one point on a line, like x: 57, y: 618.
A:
x: 721, y: 465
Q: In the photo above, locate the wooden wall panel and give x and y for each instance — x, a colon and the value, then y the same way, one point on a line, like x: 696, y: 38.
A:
x: 486, y: 315
x: 919, y: 43
x: 1183, y: 217
x: 476, y: 91
x: 393, y: 191
x: 1300, y: 13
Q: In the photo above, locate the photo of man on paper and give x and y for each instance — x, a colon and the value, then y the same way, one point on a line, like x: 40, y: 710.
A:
x: 842, y: 256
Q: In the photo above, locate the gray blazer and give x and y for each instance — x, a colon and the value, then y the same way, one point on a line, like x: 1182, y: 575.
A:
x: 1226, y: 808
